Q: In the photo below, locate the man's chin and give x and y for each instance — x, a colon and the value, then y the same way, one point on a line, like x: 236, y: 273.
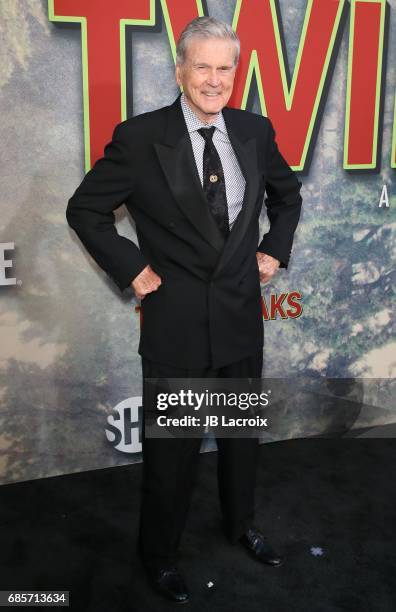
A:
x: 211, y: 103
x: 212, y: 109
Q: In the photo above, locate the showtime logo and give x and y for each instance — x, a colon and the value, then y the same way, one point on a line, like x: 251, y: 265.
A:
x: 124, y: 429
x: 6, y: 263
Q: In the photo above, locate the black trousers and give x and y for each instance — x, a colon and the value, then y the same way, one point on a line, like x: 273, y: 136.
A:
x: 170, y: 470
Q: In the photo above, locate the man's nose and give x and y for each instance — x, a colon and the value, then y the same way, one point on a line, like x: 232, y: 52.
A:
x: 213, y: 78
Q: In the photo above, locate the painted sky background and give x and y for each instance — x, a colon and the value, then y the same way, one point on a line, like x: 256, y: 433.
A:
x: 68, y: 351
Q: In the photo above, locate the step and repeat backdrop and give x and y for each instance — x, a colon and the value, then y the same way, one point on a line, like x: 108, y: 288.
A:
x: 70, y: 70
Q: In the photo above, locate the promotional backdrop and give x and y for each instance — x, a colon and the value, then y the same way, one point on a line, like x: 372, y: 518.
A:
x: 70, y: 70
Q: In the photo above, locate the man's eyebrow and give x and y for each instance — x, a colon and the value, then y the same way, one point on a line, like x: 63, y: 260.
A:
x: 208, y: 65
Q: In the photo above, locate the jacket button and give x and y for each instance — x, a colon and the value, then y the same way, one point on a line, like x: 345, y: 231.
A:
x: 171, y: 225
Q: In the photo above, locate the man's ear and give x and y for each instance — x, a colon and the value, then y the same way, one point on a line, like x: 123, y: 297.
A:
x: 178, y: 70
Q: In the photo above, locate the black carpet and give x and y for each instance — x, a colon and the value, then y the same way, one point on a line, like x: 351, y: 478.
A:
x: 328, y: 505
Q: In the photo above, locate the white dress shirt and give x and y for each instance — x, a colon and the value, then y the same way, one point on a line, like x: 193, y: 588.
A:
x: 234, y: 179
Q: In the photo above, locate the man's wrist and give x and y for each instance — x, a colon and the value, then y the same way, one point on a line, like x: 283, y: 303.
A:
x: 263, y: 255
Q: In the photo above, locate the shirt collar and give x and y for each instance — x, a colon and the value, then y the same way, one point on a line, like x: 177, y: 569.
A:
x: 194, y: 123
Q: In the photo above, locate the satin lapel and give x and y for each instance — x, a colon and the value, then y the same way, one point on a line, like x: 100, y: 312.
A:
x: 246, y: 153
x: 176, y: 157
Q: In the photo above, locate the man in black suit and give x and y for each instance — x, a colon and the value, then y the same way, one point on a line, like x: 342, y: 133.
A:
x: 193, y: 176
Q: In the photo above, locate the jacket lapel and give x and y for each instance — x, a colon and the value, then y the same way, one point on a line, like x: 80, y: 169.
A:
x: 246, y: 152
x: 176, y: 157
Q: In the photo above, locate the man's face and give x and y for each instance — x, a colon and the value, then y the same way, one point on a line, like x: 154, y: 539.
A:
x: 207, y: 75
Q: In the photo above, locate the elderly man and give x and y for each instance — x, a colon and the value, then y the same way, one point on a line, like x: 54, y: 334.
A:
x: 193, y: 176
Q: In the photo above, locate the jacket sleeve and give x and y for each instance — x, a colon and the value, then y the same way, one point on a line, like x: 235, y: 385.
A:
x: 283, y: 203
x: 90, y: 212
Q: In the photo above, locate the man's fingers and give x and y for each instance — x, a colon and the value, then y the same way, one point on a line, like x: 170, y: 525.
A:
x: 268, y: 266
x: 266, y: 276
x: 152, y: 286
x: 147, y: 288
x: 146, y: 282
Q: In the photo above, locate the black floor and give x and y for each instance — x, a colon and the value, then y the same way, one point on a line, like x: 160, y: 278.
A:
x: 329, y: 505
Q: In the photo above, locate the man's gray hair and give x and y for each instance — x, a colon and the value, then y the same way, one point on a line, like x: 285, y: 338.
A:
x: 205, y: 27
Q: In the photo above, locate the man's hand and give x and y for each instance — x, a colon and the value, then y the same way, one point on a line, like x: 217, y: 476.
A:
x: 267, y: 266
x: 145, y: 282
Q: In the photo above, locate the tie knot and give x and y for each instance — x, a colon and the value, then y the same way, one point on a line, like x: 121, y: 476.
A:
x: 207, y: 133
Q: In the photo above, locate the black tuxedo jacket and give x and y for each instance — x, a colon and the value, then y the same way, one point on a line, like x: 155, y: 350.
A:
x: 207, y: 311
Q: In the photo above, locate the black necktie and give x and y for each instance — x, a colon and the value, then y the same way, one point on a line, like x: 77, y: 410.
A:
x: 214, y: 183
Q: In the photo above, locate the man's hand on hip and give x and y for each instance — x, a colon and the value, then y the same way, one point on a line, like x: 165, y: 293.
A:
x: 145, y: 282
x: 267, y: 266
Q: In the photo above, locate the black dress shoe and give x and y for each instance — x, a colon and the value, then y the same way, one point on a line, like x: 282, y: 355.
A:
x: 256, y: 543
x: 169, y: 582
